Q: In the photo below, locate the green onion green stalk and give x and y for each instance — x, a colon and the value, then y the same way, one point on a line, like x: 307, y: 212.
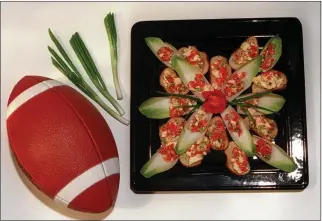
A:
x: 250, y: 105
x: 248, y: 114
x: 109, y: 22
x: 76, y: 78
x: 251, y: 96
x: 182, y: 96
x: 91, y: 70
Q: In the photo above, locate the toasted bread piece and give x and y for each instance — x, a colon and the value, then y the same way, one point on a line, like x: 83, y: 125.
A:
x: 256, y: 89
x: 165, y: 135
x: 232, y: 166
x: 217, y: 78
x: 261, y: 128
x: 184, y: 160
x: 247, y: 51
x: 203, y: 56
x: 224, y: 143
x: 177, y: 85
x: 217, y: 134
x: 271, y: 80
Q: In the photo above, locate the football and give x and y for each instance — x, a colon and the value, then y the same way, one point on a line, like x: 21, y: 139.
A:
x: 63, y: 144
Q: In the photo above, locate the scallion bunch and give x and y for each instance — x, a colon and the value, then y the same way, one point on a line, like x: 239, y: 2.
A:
x: 109, y: 22
x: 71, y: 72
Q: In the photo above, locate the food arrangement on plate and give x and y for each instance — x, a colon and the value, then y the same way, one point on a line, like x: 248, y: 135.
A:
x: 216, y: 113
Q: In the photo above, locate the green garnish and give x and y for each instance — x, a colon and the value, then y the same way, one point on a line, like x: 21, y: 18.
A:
x: 252, y: 96
x: 250, y: 105
x: 91, y: 70
x: 248, y: 114
x: 76, y: 78
x: 112, y: 37
x: 182, y: 96
x: 189, y: 114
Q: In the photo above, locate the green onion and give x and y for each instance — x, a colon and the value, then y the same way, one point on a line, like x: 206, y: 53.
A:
x: 91, y: 70
x: 183, y: 96
x: 250, y: 105
x: 62, y: 52
x: 112, y: 37
x: 188, y: 114
x: 248, y: 114
x: 76, y: 78
x: 251, y: 96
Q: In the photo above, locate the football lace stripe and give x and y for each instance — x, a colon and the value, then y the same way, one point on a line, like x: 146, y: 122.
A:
x: 88, y: 179
x: 30, y: 93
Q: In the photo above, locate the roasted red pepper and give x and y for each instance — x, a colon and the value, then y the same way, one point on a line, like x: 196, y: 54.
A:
x: 268, y: 57
x: 168, y: 153
x: 234, y: 84
x: 233, y: 122
x: 165, y: 53
x: 264, y: 149
x: 240, y: 159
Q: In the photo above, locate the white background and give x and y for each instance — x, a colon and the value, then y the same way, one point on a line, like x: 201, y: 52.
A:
x: 24, y: 40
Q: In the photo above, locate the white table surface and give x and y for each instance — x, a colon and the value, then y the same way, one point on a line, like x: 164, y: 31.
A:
x: 23, y: 51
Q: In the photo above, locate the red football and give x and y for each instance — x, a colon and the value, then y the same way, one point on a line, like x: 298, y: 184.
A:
x: 63, y: 144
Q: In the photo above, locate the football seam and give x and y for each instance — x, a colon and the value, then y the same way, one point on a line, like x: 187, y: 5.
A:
x: 99, y: 155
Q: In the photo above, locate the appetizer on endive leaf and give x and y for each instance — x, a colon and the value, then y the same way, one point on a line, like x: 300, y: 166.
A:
x: 238, y: 130
x: 162, y: 50
x: 273, y: 155
x: 165, y: 157
x: 196, y: 58
x: 194, y: 129
x: 193, y: 79
x: 271, y: 53
x: 241, y: 79
x: 165, y: 107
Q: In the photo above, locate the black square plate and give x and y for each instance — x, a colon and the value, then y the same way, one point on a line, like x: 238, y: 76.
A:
x: 218, y: 37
